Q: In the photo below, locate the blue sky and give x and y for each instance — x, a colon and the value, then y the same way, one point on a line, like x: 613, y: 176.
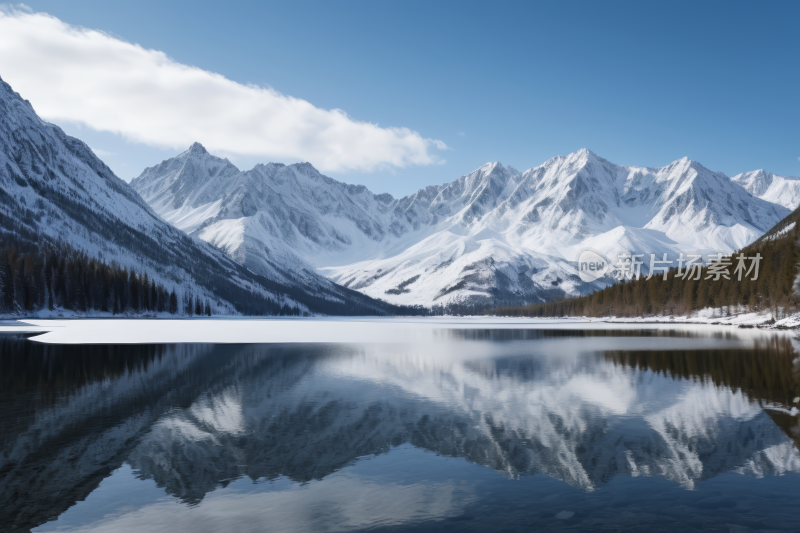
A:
x: 639, y: 83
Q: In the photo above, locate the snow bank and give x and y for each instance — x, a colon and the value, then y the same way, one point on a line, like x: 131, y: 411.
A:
x: 716, y: 316
x: 311, y: 330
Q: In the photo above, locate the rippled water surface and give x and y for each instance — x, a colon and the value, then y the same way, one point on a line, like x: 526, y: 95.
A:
x: 692, y: 429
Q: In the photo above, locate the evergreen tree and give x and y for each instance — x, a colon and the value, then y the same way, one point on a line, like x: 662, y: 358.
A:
x: 173, y: 303
x: 133, y: 288
x: 145, y: 283
x: 8, y: 286
x: 153, y: 297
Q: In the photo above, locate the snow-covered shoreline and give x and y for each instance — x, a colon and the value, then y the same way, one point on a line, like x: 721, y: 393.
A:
x: 709, y: 316
x: 351, y: 330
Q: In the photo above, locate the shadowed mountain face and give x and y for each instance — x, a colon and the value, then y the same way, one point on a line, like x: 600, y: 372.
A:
x: 581, y: 407
x: 54, y: 189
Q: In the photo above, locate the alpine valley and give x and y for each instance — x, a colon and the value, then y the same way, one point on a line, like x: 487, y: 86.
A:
x: 495, y: 236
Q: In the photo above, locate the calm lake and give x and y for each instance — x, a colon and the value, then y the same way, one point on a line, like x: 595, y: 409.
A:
x: 683, y: 429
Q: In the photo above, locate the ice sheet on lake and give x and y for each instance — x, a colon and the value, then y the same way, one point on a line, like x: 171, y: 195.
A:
x: 320, y: 330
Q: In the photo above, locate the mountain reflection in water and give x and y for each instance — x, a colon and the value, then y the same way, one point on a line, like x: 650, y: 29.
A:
x: 581, y: 407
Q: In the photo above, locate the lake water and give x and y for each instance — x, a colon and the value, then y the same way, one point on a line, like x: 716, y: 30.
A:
x: 686, y: 429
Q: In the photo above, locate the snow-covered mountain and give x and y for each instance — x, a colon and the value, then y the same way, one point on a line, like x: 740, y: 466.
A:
x: 781, y: 190
x: 492, y: 236
x: 54, y: 189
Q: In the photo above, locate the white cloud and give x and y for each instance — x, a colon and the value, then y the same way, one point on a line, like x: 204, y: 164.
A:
x: 88, y: 77
x: 102, y: 153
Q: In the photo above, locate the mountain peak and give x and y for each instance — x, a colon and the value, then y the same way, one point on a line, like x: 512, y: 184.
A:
x: 197, y: 148
x: 581, y: 157
x: 684, y: 163
x: 585, y: 153
x: 491, y: 165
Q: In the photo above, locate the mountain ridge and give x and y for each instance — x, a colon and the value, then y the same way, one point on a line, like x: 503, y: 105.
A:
x: 783, y: 190
x: 517, y: 232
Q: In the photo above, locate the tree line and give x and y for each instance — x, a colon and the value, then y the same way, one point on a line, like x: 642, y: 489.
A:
x: 56, y: 277
x: 772, y: 290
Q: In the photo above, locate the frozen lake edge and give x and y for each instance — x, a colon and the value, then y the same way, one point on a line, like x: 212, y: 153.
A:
x: 234, y: 330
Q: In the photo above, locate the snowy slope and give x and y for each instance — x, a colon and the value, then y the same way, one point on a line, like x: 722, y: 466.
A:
x: 492, y: 236
x: 53, y: 188
x: 259, y: 218
x: 572, y: 198
x: 781, y: 190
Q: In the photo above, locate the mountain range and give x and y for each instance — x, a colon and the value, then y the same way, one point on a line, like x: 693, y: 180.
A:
x: 55, y: 191
x: 281, y: 236
x: 493, y: 236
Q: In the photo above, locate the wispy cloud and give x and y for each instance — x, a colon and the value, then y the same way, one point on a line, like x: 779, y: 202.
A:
x: 85, y: 76
x: 462, y: 134
x: 102, y: 153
